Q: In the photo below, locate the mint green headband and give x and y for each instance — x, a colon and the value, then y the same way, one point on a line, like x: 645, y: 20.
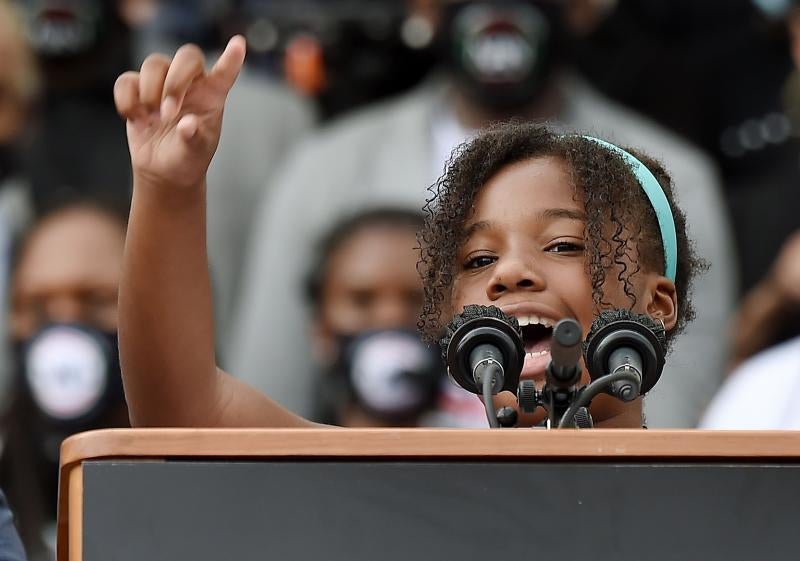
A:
x: 658, y: 200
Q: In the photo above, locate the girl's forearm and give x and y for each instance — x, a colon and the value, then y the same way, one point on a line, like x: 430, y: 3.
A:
x: 166, y: 323
x: 173, y: 111
x: 166, y: 319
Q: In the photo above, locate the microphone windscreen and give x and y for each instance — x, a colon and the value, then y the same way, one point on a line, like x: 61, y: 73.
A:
x: 482, y: 324
x: 622, y: 327
x: 472, y: 312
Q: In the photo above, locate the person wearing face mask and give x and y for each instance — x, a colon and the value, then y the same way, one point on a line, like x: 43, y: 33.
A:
x: 63, y: 325
x: 497, y: 60
x: 366, y: 296
x: 81, y: 46
x: 766, y: 330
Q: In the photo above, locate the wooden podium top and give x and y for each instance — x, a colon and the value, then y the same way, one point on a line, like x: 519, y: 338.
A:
x: 440, y: 445
x: 596, y: 444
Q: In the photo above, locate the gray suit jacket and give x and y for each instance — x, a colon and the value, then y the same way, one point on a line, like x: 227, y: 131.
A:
x: 263, y: 120
x: 382, y: 156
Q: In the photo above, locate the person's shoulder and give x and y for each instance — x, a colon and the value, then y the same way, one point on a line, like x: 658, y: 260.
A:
x: 372, y: 124
x: 258, y: 96
x: 348, y: 157
x: 777, y: 362
x: 338, y: 152
x: 734, y: 407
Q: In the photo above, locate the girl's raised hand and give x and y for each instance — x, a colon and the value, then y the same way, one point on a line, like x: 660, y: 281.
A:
x: 174, y: 111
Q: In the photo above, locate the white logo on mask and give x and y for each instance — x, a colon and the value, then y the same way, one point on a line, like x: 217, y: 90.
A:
x: 66, y: 371
x: 381, y: 368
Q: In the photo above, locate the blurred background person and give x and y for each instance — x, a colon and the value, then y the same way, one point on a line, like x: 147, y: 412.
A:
x: 770, y: 312
x: 495, y: 60
x: 19, y: 91
x: 763, y: 392
x: 63, y: 325
x: 366, y: 296
x: 78, y: 146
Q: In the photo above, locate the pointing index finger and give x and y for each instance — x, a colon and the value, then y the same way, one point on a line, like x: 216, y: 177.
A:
x: 230, y: 63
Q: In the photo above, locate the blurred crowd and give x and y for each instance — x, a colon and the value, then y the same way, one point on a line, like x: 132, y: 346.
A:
x: 346, y: 112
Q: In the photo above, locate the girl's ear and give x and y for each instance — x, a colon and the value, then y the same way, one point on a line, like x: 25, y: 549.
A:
x: 662, y: 301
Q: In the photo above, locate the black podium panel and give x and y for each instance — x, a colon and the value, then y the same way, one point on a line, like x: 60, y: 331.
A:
x: 417, y: 511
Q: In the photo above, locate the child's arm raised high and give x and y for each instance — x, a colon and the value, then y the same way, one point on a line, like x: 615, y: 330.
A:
x: 174, y: 111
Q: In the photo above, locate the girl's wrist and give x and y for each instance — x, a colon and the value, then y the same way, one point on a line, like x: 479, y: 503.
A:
x: 168, y: 195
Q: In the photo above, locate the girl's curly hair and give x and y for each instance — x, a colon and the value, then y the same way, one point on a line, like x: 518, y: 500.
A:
x: 620, y: 220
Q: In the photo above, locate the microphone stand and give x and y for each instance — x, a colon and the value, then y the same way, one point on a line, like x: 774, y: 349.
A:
x: 562, y: 375
x: 556, y: 398
x: 564, y: 403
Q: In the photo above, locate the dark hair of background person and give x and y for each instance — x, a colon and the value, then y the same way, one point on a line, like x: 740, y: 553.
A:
x: 382, y: 217
x: 599, y: 178
x: 30, y: 483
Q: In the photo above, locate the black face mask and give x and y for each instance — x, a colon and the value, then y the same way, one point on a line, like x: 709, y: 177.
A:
x: 70, y: 380
x: 501, y: 53
x: 63, y: 28
x: 390, y: 374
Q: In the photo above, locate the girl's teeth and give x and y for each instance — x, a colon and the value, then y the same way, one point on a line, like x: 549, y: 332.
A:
x: 538, y: 354
x: 533, y: 320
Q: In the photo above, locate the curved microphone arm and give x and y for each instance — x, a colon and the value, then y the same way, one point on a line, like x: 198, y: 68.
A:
x: 593, y: 390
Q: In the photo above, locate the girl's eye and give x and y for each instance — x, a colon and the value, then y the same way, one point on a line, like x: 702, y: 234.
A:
x: 565, y: 247
x: 479, y: 262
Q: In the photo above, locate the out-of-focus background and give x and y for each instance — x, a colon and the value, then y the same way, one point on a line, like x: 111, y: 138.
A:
x: 346, y: 112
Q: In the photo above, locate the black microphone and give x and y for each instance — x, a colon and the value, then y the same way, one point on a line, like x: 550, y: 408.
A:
x: 479, y: 338
x: 623, y: 341
x: 564, y: 370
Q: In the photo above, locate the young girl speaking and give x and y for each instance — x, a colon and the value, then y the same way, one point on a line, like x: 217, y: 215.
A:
x: 544, y: 226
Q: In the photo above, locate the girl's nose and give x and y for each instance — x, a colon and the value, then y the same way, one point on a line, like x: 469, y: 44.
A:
x: 513, y: 275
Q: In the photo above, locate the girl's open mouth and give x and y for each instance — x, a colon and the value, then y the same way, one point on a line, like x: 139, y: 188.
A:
x: 537, y: 334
